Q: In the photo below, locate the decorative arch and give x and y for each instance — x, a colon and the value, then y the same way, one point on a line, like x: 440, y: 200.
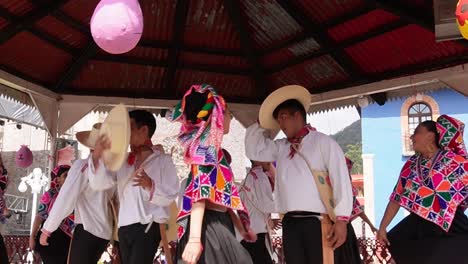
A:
x: 405, y: 129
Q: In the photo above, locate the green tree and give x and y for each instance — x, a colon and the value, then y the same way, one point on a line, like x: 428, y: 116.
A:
x: 354, y: 153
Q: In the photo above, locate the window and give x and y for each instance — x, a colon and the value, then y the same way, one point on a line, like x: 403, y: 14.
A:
x: 415, y: 110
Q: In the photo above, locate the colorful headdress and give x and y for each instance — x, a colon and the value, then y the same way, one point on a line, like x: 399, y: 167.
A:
x: 202, y: 139
x: 57, y: 171
x: 451, y: 135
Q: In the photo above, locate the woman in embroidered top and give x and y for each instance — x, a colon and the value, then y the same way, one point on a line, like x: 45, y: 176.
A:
x: 433, y: 187
x: 3, y: 209
x: 59, y: 241
x: 206, y: 218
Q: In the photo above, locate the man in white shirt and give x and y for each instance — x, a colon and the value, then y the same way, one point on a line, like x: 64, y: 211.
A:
x: 257, y: 194
x: 93, y: 222
x: 147, y: 184
x: 296, y: 193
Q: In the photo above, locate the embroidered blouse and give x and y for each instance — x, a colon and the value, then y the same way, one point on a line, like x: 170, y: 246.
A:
x: 433, y: 189
x: 45, y: 206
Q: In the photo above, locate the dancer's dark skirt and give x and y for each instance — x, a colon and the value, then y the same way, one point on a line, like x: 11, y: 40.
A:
x: 57, y: 250
x: 219, y: 241
x: 416, y: 240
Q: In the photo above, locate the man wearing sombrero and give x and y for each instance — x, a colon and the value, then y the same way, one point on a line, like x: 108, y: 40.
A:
x: 147, y: 181
x: 312, y: 184
x: 93, y: 228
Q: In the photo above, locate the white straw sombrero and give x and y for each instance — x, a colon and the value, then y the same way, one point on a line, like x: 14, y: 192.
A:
x: 277, y: 97
x: 117, y: 128
x: 88, y: 138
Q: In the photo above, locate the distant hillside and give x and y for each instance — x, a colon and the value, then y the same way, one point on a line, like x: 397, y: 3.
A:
x: 350, y: 135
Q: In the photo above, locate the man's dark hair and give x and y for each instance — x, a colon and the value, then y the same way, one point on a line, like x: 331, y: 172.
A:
x: 292, y: 106
x: 144, y: 118
x: 193, y: 104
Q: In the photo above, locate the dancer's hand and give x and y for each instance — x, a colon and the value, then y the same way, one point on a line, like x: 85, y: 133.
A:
x: 43, y: 239
x: 192, y: 252
x: 142, y: 179
x: 32, y: 243
x: 382, y: 236
x: 102, y: 143
x: 337, y: 235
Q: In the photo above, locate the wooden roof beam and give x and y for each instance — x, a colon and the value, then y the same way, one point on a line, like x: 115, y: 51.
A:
x: 422, y: 19
x: 76, y: 66
x: 164, y: 64
x: 29, y: 19
x: 342, y: 45
x: 321, y: 36
x: 178, y: 29
x: 78, y: 26
x: 234, y: 12
x: 310, y: 31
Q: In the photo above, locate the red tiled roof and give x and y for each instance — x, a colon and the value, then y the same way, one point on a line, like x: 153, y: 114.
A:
x: 245, y: 48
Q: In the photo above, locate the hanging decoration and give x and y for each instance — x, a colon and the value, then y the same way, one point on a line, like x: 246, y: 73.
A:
x: 24, y: 157
x: 462, y: 17
x: 117, y: 25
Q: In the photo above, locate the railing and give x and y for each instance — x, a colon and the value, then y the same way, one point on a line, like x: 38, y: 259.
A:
x: 17, y: 249
x: 372, y: 252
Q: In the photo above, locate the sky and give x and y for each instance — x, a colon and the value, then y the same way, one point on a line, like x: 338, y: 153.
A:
x: 331, y: 122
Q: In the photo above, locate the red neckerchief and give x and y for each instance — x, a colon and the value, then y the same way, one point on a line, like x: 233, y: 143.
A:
x: 137, y: 150
x: 296, y: 140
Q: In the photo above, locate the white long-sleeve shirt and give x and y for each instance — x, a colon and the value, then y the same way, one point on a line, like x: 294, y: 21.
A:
x: 138, y: 205
x: 295, y: 188
x: 257, y: 195
x: 91, y: 206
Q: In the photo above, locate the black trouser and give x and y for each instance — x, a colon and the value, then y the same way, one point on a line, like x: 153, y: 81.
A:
x: 136, y: 246
x: 86, y: 247
x: 57, y: 250
x: 258, y: 250
x: 302, y: 242
x: 3, y: 251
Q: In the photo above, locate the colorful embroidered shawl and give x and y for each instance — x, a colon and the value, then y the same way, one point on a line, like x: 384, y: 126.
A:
x: 435, y: 192
x: 210, y: 177
x: 48, y: 199
x: 46, y: 203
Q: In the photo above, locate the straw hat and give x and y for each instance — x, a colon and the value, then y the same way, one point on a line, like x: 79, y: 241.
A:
x: 117, y: 128
x: 88, y: 138
x: 276, y: 98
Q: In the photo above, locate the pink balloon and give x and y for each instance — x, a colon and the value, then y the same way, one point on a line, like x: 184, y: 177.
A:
x: 117, y: 25
x: 24, y: 157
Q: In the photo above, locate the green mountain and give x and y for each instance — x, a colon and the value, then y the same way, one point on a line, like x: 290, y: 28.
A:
x: 350, y: 135
x: 350, y: 140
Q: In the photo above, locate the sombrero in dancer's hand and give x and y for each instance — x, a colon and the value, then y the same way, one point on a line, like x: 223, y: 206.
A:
x: 277, y: 97
x: 88, y: 138
x: 117, y: 128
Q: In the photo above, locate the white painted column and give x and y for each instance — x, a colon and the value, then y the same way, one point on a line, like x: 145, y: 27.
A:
x: 369, y: 195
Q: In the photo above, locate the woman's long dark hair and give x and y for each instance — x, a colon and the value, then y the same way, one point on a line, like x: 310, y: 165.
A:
x: 193, y: 104
x: 431, y: 126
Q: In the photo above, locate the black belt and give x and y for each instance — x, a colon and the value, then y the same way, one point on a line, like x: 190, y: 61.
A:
x: 301, y: 214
